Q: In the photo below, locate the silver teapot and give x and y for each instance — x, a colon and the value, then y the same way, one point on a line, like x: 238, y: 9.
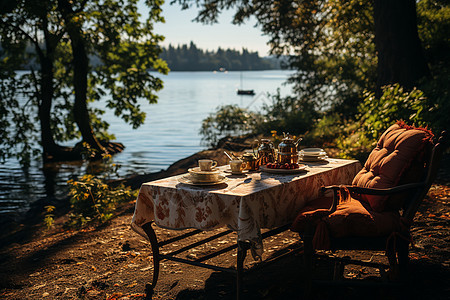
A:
x: 265, y: 152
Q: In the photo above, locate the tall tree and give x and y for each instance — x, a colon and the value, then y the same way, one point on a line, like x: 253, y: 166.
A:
x: 67, y: 36
x: 333, y: 44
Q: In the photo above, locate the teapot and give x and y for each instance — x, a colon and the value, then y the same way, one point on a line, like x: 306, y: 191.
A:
x: 287, y: 150
x: 265, y: 151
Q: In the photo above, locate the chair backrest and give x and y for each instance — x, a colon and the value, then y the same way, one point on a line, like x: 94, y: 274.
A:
x: 433, y: 164
x: 400, y: 157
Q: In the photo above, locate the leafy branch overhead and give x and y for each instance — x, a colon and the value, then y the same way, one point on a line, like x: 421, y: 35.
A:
x: 76, y: 53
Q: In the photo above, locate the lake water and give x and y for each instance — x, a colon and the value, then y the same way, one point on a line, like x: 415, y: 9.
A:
x: 170, y: 132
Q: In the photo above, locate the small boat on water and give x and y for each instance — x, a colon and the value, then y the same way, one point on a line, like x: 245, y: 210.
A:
x: 246, y: 92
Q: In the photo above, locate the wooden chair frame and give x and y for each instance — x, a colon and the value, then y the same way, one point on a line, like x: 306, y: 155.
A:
x: 396, y: 244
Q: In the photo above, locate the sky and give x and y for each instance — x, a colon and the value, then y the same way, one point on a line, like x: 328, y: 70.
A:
x: 179, y: 29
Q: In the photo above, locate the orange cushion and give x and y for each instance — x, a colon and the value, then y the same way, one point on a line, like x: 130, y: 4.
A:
x: 313, y: 211
x: 397, y: 149
x: 351, y: 218
x: 354, y: 218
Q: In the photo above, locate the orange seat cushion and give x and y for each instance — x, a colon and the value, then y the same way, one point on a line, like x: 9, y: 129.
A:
x: 399, y: 149
x: 351, y: 218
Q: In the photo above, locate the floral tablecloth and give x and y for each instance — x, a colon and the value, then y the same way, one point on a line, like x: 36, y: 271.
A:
x: 268, y: 201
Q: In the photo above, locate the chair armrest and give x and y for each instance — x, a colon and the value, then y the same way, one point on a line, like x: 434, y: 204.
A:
x: 374, y: 191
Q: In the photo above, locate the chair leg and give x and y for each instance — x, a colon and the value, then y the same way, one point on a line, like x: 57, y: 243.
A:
x: 308, y: 257
x: 393, y: 264
x: 338, y: 274
x: 403, y: 259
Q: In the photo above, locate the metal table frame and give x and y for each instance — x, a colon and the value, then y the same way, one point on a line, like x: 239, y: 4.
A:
x: 242, y: 248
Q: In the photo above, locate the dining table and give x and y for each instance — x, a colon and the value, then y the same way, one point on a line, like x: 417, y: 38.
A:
x: 245, y: 203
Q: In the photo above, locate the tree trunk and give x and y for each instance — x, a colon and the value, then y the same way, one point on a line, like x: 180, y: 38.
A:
x: 50, y: 150
x: 81, y: 68
x: 45, y: 105
x: 400, y: 54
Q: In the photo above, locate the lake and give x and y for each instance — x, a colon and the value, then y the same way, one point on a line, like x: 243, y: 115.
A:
x: 170, y: 132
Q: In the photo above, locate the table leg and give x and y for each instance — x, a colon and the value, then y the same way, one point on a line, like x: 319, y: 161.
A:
x: 149, y: 288
x: 241, y: 254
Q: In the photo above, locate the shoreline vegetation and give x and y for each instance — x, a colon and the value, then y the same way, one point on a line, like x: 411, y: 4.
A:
x: 191, y: 58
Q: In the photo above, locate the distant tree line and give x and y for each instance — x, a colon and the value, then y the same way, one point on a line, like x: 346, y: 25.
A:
x: 191, y: 58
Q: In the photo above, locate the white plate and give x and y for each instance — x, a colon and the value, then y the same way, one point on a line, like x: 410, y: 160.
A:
x: 313, y: 158
x: 312, y: 152
x: 236, y: 173
x: 188, y: 180
x: 283, y: 171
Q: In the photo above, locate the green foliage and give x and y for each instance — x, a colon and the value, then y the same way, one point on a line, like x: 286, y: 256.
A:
x: 434, y: 25
x: 94, y: 200
x: 18, y: 132
x: 49, y: 217
x: 287, y: 114
x: 354, y: 143
x: 326, y: 128
x: 394, y: 104
x: 377, y: 114
x: 228, y: 120
x: 125, y: 62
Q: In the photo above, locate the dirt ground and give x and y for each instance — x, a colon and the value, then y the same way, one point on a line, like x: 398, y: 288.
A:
x: 113, y: 262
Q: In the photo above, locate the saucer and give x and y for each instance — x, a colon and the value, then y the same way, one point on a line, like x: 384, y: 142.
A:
x: 189, y: 180
x: 312, y: 158
x: 198, y: 171
x: 236, y: 173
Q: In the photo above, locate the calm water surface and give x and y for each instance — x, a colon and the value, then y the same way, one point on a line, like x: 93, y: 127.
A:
x: 170, y: 132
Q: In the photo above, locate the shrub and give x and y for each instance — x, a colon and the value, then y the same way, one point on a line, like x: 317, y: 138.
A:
x: 287, y: 114
x: 378, y: 114
x: 228, y: 120
x: 92, y: 198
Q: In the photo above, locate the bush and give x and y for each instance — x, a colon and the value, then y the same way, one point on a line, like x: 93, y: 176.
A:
x: 93, y: 199
x: 394, y: 104
x: 288, y: 114
x: 378, y: 114
x: 227, y: 121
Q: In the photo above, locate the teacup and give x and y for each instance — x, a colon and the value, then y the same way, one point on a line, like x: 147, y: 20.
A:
x: 237, y: 165
x: 207, y: 164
